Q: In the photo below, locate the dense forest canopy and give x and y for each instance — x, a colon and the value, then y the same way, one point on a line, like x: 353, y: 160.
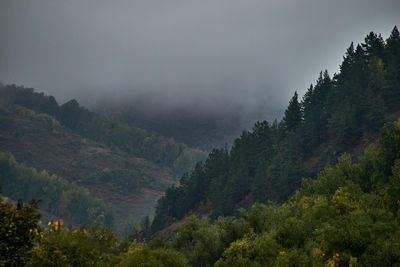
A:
x: 58, y: 196
x: 348, y: 216
x: 127, y: 184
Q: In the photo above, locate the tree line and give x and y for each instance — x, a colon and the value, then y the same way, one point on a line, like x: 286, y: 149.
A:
x: 56, y: 195
x: 118, y: 135
x: 266, y: 164
x: 348, y: 216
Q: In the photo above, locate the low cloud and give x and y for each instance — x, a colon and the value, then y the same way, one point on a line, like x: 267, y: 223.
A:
x: 208, y: 54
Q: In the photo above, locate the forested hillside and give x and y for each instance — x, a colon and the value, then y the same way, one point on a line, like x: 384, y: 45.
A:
x: 348, y: 216
x: 56, y: 195
x: 338, y: 114
x: 61, y: 140
x: 155, y: 148
x: 126, y: 184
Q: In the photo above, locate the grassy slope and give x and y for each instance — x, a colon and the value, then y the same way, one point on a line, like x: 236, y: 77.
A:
x: 40, y: 142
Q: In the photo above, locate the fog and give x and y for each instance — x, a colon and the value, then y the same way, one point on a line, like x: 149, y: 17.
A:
x: 208, y: 55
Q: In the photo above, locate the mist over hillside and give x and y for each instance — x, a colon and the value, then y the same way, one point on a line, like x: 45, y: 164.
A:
x: 213, y: 57
x: 198, y: 124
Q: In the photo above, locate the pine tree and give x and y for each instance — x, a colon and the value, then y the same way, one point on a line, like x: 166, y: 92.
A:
x: 373, y: 46
x: 348, y: 60
x: 374, y: 102
x: 292, y: 118
x: 315, y: 111
x: 391, y: 92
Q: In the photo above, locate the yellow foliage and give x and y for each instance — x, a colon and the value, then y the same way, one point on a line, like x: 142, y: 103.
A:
x: 352, y: 261
x: 334, y: 261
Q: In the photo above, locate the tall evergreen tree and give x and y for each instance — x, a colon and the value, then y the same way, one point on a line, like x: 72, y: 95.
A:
x: 316, y: 111
x: 348, y: 60
x: 373, y: 46
x: 391, y: 92
x: 292, y: 118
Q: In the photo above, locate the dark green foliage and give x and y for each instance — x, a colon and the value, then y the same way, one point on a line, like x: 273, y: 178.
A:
x: 268, y: 163
x: 144, y: 256
x: 16, y: 232
x: 65, y: 246
x: 390, y: 147
x: 348, y: 216
x: 57, y: 195
x: 316, y: 112
x: 392, y: 57
x: 292, y: 118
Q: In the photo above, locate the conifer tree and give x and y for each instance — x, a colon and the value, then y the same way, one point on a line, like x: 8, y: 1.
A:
x: 292, y: 118
x: 348, y: 60
x: 374, y: 46
x: 391, y: 93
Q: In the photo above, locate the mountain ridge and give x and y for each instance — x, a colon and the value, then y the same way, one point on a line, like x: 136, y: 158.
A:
x: 267, y: 163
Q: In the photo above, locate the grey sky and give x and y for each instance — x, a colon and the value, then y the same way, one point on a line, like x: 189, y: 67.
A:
x: 209, y: 52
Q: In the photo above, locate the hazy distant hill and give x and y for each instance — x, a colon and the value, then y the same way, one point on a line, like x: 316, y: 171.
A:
x: 129, y: 185
x: 205, y: 128
x: 113, y: 133
x: 64, y: 145
x: 191, y: 127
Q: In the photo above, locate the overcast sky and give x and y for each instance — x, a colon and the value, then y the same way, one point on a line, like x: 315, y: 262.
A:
x: 209, y: 52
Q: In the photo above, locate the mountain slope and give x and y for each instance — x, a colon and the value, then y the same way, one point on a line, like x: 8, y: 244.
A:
x: 126, y: 167
x: 129, y: 185
x: 336, y: 115
x: 114, y: 134
x: 57, y: 197
x: 347, y: 216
